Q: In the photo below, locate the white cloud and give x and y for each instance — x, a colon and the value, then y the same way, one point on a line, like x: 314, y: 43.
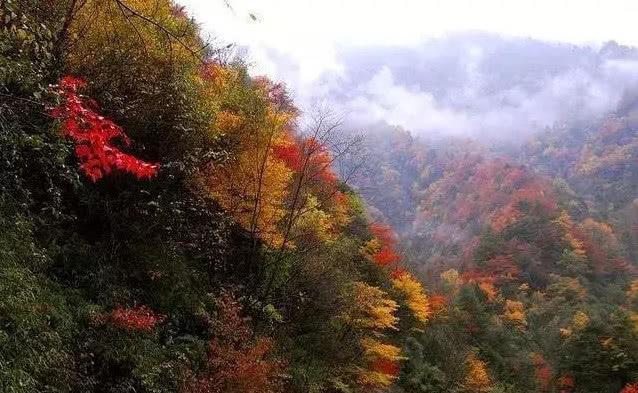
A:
x: 309, y: 30
x: 381, y: 99
x: 298, y: 42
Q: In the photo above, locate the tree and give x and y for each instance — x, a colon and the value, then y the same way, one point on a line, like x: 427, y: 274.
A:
x: 477, y: 378
x: 630, y: 388
x: 515, y: 312
x: 237, y: 362
x: 94, y: 135
x: 415, y: 296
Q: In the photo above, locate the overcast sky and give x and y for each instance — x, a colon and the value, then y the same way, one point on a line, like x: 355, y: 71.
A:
x: 308, y: 30
x: 299, y: 42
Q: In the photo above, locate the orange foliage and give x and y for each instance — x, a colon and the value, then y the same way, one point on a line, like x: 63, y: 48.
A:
x: 566, y: 384
x: 534, y: 192
x: 613, y: 155
x: 632, y: 292
x: 382, y: 364
x: 630, y: 388
x: 437, y: 303
x: 386, y: 366
x: 499, y: 269
x: 515, y: 313
x: 140, y: 318
x: 213, y: 72
x: 254, y: 183
x: 237, y: 363
x: 542, y: 370
x: 385, y: 255
x: 603, y: 247
x: 489, y: 290
x: 505, y: 217
x: 503, y: 268
x: 228, y: 121
x: 384, y: 233
x: 487, y: 192
x: 571, y: 235
x: 477, y: 379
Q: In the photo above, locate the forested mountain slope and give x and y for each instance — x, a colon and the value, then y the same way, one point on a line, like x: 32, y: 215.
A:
x: 172, y: 223
x: 167, y: 225
x: 532, y: 250
x: 599, y: 162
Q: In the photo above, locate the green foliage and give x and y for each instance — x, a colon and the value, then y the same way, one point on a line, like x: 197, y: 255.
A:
x: 541, y: 261
x: 417, y: 375
x: 37, y: 325
x: 122, y: 285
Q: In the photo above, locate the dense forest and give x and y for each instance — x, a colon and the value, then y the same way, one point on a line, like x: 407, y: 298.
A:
x: 527, y: 253
x: 173, y: 223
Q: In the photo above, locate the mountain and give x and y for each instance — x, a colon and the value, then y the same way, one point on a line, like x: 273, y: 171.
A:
x: 479, y: 85
x: 173, y: 224
x: 532, y: 249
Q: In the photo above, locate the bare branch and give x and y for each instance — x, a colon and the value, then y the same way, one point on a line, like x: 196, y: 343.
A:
x: 163, y: 29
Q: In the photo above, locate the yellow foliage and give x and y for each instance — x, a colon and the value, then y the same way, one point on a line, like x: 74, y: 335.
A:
x: 227, y: 121
x: 141, y: 36
x: 278, y: 119
x: 370, y: 248
x: 477, y: 378
x: 591, y: 163
x: 567, y: 287
x: 375, y: 379
x: 221, y: 79
x: 515, y: 312
x: 565, y: 332
x: 590, y: 224
x: 374, y: 349
x: 372, y: 308
x: 601, y: 234
x: 415, y: 296
x: 565, y: 222
x: 253, y: 185
x: 256, y: 204
x: 313, y: 222
x: 580, y: 320
x: 341, y: 212
x: 451, y: 278
x: 607, y: 342
x: 382, y: 364
x: 111, y: 35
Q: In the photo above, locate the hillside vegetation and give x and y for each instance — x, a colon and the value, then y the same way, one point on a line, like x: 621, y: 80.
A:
x: 172, y: 223
x: 168, y: 227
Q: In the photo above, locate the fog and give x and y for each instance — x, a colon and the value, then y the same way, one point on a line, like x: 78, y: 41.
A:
x: 451, y: 67
x: 479, y: 85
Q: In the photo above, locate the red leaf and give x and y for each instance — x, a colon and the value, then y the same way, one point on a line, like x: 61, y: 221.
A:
x: 93, y: 133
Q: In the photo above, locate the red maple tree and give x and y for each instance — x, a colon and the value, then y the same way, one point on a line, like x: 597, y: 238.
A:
x: 139, y: 318
x: 630, y: 388
x: 94, y: 134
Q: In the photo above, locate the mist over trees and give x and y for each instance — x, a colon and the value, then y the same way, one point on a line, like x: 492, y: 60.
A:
x: 458, y: 217
x: 474, y: 84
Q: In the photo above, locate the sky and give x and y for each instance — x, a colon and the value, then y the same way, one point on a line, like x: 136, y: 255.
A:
x: 309, y: 30
x: 299, y: 42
